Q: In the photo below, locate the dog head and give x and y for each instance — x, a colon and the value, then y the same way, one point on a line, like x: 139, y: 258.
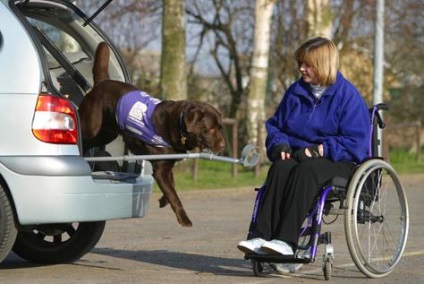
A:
x: 203, y: 128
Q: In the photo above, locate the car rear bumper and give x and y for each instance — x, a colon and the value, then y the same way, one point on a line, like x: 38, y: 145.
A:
x: 67, y: 192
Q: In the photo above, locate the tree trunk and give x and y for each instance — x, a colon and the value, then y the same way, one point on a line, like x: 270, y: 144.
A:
x: 259, y: 69
x: 320, y: 19
x: 173, y: 59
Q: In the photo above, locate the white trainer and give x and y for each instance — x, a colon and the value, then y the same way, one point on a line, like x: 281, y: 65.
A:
x: 277, y: 246
x: 253, y: 245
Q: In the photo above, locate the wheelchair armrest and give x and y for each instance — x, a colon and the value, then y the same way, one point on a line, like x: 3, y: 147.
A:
x: 337, y: 182
x: 338, y: 189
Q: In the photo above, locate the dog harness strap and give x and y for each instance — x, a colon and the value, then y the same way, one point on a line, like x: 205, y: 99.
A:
x: 134, y: 113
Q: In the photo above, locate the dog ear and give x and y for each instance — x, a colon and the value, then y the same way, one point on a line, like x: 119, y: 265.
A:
x: 193, y: 115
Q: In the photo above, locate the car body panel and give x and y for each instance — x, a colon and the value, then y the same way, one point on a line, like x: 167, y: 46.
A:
x: 43, y: 199
x: 20, y: 72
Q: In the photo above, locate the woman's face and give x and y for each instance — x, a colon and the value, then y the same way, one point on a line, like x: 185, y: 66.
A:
x: 308, y: 74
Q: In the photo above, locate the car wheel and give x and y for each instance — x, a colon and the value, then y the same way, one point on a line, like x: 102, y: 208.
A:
x: 7, y: 225
x: 58, y: 243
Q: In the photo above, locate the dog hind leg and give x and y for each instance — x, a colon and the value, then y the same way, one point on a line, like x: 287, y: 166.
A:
x: 91, y: 116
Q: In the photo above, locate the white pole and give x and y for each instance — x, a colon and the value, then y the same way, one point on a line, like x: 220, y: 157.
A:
x: 248, y: 158
x: 379, y: 61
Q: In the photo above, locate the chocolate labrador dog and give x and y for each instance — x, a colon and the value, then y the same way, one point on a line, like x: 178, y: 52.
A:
x: 149, y: 126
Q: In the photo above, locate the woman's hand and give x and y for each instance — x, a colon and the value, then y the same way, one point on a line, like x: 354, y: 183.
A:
x: 282, y: 152
x: 311, y: 152
x: 285, y: 155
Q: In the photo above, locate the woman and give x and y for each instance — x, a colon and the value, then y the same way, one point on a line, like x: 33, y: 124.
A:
x: 319, y: 130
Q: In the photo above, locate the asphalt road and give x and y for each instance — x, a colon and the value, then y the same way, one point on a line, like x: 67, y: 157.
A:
x: 155, y: 249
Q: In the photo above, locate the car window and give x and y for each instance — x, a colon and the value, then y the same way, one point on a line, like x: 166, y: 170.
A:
x: 68, y: 43
x: 63, y: 54
x: 70, y: 48
x: 68, y: 63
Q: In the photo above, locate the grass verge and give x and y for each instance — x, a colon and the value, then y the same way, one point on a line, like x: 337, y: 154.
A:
x: 406, y: 162
x: 215, y: 175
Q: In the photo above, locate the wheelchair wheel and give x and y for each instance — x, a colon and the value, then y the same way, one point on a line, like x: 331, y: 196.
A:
x: 376, y: 218
x: 326, y: 269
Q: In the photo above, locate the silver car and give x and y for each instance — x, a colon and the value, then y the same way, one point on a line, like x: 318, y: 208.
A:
x: 53, y: 203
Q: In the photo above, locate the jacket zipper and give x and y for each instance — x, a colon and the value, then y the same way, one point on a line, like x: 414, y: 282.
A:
x: 314, y: 104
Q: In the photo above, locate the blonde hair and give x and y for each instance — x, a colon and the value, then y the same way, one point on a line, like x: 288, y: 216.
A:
x: 322, y: 55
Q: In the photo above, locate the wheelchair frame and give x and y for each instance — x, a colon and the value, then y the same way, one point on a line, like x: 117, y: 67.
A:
x: 370, y: 201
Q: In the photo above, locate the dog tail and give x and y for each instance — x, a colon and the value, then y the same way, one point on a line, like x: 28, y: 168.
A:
x: 101, y: 64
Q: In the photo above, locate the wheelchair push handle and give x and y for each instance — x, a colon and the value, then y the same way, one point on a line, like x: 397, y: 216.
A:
x: 377, y: 107
x: 382, y: 106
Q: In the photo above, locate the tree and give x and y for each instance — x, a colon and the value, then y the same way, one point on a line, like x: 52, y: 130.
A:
x: 173, y: 59
x: 259, y: 69
x: 220, y: 37
x: 320, y: 19
x: 135, y: 27
x: 404, y: 56
x: 225, y: 31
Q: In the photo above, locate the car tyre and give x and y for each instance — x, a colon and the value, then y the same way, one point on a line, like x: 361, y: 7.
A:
x: 7, y: 225
x: 58, y: 243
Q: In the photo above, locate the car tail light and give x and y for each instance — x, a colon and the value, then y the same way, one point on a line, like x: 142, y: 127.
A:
x: 55, y: 120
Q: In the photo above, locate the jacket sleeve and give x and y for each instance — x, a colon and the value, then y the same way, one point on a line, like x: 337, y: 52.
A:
x: 352, y: 141
x: 274, y: 127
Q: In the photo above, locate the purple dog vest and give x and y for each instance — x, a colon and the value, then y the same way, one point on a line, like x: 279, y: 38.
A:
x: 134, y: 113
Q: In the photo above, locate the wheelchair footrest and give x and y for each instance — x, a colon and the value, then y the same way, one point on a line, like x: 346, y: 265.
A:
x: 277, y: 258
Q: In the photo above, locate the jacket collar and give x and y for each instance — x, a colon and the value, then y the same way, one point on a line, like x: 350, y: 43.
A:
x: 302, y: 88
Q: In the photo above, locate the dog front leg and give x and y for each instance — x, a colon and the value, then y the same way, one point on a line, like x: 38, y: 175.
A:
x: 165, y: 180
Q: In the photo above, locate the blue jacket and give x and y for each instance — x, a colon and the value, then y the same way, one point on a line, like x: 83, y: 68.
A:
x: 339, y: 120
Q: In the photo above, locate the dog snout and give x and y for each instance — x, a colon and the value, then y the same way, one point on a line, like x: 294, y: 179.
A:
x: 216, y: 140
x: 221, y: 145
x: 218, y: 144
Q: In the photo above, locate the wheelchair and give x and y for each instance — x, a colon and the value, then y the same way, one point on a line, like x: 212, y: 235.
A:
x: 376, y: 217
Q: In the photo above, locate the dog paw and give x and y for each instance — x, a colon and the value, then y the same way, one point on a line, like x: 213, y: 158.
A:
x: 163, y: 202
x: 184, y: 220
x: 186, y: 223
